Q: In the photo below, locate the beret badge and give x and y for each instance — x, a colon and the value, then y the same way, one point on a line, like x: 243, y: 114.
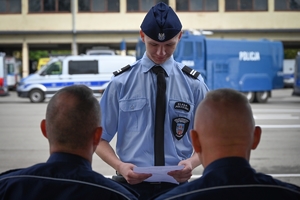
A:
x: 161, y: 36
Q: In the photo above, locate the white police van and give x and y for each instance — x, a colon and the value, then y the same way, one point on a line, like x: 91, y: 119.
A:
x: 3, y: 76
x: 13, y: 71
x: 93, y: 71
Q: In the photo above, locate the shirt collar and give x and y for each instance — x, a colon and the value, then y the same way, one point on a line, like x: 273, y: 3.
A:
x: 228, y: 162
x: 67, y: 157
x: 147, y: 64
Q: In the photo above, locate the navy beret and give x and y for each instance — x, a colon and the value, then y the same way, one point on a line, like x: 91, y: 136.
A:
x: 161, y: 23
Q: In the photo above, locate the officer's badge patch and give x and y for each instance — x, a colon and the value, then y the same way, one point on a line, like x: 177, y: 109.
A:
x: 180, y: 126
x: 182, y: 106
x: 161, y: 36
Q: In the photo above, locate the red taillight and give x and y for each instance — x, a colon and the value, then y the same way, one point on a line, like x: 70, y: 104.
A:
x: 1, y: 82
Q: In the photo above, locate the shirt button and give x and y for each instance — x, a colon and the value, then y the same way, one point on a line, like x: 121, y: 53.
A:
x: 132, y: 107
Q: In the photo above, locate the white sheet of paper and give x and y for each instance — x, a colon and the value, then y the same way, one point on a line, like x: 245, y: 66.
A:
x: 159, y: 173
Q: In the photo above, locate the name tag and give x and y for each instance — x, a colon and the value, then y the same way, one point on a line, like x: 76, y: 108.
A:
x: 182, y: 106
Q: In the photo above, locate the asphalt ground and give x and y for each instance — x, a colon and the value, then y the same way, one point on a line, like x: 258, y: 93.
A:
x: 22, y: 143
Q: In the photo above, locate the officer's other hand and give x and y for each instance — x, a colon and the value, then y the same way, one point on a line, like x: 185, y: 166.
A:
x: 184, y: 174
x: 126, y: 169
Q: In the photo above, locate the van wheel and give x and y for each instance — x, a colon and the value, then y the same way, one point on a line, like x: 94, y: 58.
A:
x: 36, y: 96
x: 250, y: 96
x: 262, y: 97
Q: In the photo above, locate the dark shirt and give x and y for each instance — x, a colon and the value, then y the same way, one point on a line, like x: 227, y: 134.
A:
x: 233, y: 178
x: 63, y: 176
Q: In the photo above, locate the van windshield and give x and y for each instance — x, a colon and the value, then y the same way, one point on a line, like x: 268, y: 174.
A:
x: 54, y: 68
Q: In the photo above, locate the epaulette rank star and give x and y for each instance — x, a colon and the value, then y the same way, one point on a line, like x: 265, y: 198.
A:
x: 191, y: 72
x: 120, y: 71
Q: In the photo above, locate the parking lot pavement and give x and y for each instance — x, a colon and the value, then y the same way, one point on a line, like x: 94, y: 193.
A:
x: 22, y: 143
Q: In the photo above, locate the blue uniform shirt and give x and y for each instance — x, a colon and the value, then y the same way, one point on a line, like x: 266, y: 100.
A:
x: 233, y: 178
x: 63, y: 176
x: 128, y: 108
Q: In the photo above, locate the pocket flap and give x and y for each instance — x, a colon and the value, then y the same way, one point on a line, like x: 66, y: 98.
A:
x: 131, y: 105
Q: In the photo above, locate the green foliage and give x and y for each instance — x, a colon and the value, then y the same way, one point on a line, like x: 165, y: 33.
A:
x: 60, y: 53
x: 290, y: 53
x: 36, y: 55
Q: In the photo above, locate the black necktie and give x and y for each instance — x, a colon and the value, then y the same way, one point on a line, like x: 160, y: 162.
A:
x: 159, y: 153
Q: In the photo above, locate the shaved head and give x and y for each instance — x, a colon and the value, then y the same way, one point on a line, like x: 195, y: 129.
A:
x: 72, y: 117
x: 224, y: 125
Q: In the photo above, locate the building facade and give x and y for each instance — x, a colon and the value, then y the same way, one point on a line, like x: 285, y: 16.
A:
x: 78, y: 25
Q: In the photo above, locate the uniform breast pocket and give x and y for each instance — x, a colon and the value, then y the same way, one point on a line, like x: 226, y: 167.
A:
x: 132, y: 111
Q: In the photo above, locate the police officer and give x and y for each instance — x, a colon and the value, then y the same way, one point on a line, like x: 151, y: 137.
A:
x: 224, y: 149
x: 129, y: 108
x: 73, y: 131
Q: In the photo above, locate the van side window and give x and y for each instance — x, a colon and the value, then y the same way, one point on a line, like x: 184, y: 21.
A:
x: 53, y: 69
x: 83, y: 67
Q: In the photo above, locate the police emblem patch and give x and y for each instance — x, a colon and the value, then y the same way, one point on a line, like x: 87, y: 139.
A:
x: 161, y: 36
x: 180, y: 126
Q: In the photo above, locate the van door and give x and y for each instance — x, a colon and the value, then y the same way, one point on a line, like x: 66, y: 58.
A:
x: 52, y: 77
x: 3, y: 76
x: 13, y: 72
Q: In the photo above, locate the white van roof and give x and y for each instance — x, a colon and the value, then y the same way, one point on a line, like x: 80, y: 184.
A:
x: 100, y: 52
x: 107, y: 63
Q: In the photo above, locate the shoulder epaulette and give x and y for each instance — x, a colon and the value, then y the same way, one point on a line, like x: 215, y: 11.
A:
x: 120, y: 71
x: 191, y: 72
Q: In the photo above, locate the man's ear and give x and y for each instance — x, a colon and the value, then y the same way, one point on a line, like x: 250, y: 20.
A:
x: 142, y: 34
x: 97, y: 136
x: 179, y: 36
x: 256, y: 137
x: 43, y: 128
x: 195, y: 141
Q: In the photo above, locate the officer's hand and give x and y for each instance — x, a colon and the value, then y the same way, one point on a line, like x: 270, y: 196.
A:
x: 126, y: 169
x: 184, y: 174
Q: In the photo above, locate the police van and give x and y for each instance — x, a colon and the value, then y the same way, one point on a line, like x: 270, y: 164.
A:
x: 13, y: 71
x: 92, y: 71
x: 3, y: 76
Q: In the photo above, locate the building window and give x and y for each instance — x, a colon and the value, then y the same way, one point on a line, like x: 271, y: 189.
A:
x: 287, y: 5
x: 10, y: 6
x: 246, y: 5
x: 99, y: 5
x: 44, y: 6
x: 197, y: 5
x: 142, y: 5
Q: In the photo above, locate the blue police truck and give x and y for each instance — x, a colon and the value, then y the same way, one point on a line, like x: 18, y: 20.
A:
x: 296, y: 91
x: 254, y: 67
